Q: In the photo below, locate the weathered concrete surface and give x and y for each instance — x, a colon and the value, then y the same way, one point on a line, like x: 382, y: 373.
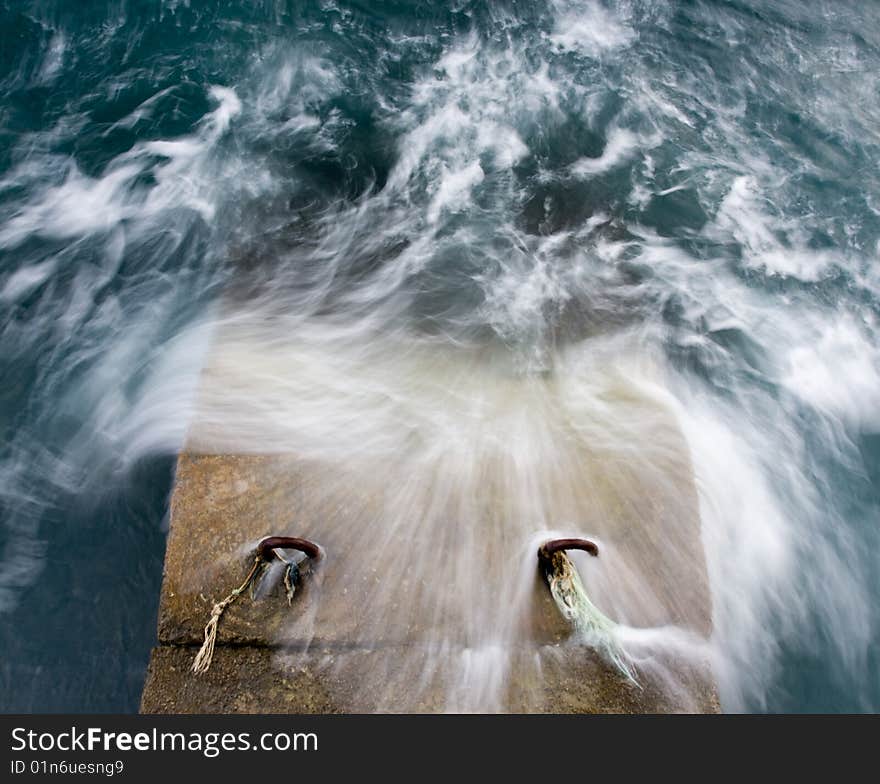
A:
x: 222, y: 506
x: 313, y: 656
x: 258, y: 679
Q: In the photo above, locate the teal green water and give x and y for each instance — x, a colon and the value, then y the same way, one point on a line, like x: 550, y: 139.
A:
x: 701, y: 173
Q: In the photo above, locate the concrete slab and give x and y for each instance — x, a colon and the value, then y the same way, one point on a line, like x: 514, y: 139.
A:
x: 222, y: 506
x: 275, y: 658
x: 256, y: 679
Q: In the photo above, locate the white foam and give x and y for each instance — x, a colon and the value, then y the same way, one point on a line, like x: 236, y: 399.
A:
x: 770, y: 243
x: 460, y: 114
x: 835, y: 367
x: 589, y: 28
x: 26, y: 279
x: 454, y: 190
x: 620, y: 146
x: 82, y: 205
x: 53, y: 60
x: 296, y: 87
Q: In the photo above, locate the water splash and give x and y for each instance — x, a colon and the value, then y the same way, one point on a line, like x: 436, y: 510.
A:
x: 509, y: 248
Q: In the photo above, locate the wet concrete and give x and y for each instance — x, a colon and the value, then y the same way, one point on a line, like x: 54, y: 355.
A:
x: 222, y: 506
x: 259, y: 679
x: 313, y: 656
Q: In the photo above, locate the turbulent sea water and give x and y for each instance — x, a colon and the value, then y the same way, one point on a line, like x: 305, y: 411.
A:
x: 692, y: 182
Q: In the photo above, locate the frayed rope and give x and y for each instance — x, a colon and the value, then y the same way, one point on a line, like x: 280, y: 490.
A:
x: 202, y: 662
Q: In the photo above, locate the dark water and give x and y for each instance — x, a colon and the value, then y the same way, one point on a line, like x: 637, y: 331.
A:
x: 701, y: 172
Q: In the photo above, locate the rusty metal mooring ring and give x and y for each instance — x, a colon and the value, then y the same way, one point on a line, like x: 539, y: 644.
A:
x: 553, y: 562
x: 266, y: 548
x: 546, y: 550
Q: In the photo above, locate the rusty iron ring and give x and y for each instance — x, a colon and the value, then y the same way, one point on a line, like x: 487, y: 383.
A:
x: 551, y: 546
x: 266, y: 548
